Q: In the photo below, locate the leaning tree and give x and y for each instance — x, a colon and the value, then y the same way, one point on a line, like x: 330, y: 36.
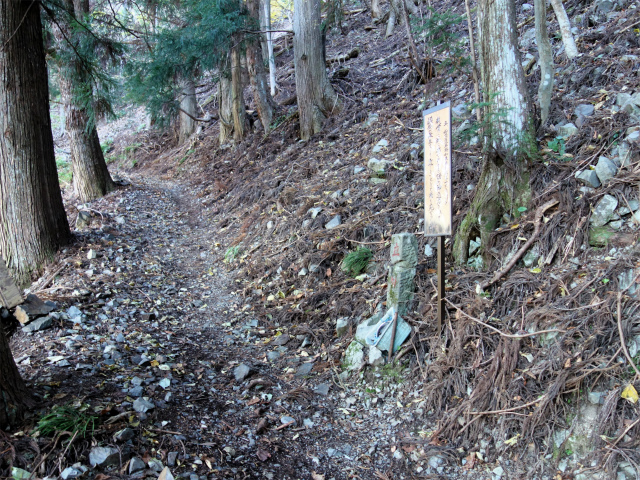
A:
x: 504, y: 182
x: 317, y: 99
x: 34, y: 223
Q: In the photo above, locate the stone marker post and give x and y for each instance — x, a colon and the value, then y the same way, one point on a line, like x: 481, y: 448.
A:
x: 404, y: 259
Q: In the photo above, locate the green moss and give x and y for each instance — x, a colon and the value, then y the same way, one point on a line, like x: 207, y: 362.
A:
x: 600, y: 236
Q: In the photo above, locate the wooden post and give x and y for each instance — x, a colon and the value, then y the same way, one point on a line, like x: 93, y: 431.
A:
x: 441, y: 292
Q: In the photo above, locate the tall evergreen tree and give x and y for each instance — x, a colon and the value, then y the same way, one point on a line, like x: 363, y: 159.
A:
x: 317, y: 99
x: 91, y: 178
x: 504, y: 181
x: 34, y: 222
x: 257, y: 75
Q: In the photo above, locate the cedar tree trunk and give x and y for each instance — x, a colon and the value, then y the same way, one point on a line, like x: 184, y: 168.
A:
x: 188, y: 106
x: 226, y: 108
x: 317, y: 99
x: 267, y: 47
x: 237, y: 97
x: 33, y: 223
x: 257, y: 74
x: 15, y: 398
x: 546, y: 59
x: 91, y: 177
x: 504, y: 181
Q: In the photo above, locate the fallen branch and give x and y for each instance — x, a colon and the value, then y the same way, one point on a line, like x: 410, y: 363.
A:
x: 344, y: 57
x: 500, y: 332
x: 537, y: 224
x: 507, y: 410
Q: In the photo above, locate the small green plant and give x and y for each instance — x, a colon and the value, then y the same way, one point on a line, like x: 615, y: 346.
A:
x: 356, y: 262
x: 65, y: 173
x: 557, y: 145
x: 231, y: 254
x: 107, y: 146
x: 66, y: 418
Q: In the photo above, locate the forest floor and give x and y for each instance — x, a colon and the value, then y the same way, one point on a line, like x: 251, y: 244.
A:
x: 208, y: 285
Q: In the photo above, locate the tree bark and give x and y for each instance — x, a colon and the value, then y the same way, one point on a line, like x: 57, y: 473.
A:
x: 257, y: 74
x: 237, y: 97
x: 545, y: 59
x: 225, y: 103
x: 504, y: 181
x: 33, y: 222
x: 268, y: 45
x: 15, y: 398
x: 376, y: 12
x: 91, y: 178
x: 317, y: 99
x: 188, y: 106
x: 565, y: 29
x: 394, y: 11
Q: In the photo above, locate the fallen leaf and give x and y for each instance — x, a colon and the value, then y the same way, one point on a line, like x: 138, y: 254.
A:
x: 328, y: 272
x: 512, y: 441
x: 535, y: 270
x: 630, y: 393
x: 567, y: 364
x: 165, y: 474
x: 263, y: 455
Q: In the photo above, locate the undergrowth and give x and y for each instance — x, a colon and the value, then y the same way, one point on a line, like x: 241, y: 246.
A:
x: 67, y: 418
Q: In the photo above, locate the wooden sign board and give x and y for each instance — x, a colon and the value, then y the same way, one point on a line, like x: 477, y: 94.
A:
x: 437, y: 171
x: 9, y: 294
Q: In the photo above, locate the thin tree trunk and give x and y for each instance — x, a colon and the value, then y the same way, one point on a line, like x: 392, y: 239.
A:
x: 188, y: 107
x: 91, y: 178
x: 225, y: 103
x: 257, y: 75
x: 317, y: 99
x: 376, y: 12
x: 269, y: 47
x: 546, y: 59
x: 565, y: 29
x: 504, y: 181
x: 33, y: 222
x: 393, y: 17
x: 237, y: 97
x: 474, y: 63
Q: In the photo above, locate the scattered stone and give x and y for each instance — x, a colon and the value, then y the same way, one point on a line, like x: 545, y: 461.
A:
x: 322, y: 389
x: 567, y: 131
x: 155, y: 465
x: 281, y: 339
x: 288, y: 420
x: 358, y: 169
x: 605, y: 169
x: 75, y: 471
x: 497, y: 473
x: 375, y: 356
x: 164, y: 383
x: 531, y: 257
x: 404, y: 250
x: 92, y: 254
x: 308, y: 423
x: 241, y: 372
x: 342, y: 325
x: 313, y: 268
x: 270, y: 225
x: 166, y: 474
x: 371, y: 119
x: 104, y: 457
x: 39, y: 325
x: 604, y: 210
x: 74, y: 312
x: 303, y: 272
x: 143, y: 405
x: 304, y: 369
x: 378, y: 167
x: 171, y: 458
x: 135, y: 465
x: 124, y: 434
x: 588, y: 177
x: 597, y: 398
x: 120, y: 220
x: 83, y: 220
x: 474, y: 245
x: 428, y: 250
x: 584, y: 110
x: 334, y: 223
x: 382, y: 144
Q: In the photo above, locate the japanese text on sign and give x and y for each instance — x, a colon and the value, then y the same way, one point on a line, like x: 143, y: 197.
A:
x: 437, y: 170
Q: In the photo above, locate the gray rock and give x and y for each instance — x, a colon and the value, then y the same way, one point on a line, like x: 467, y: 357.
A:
x: 124, y: 434
x: 74, y: 312
x: 597, y: 398
x: 104, y: 457
x: 404, y: 250
x: 143, y: 405
x: 342, y: 325
x: 281, y: 339
x: 568, y: 130
x: 373, y: 118
x: 313, y: 268
x: 241, y: 372
x: 35, y: 307
x: 75, y: 471
x: 322, y: 389
x: 459, y: 110
x: 605, y: 169
x: 83, y: 220
x: 304, y: 369
x: 38, y: 325
x: 378, y: 167
x: 382, y: 144
x: 120, y: 220
x: 273, y: 356
x: 92, y: 254
x: 287, y: 419
x: 428, y: 250
x: 314, y: 211
x: 155, y: 465
x: 358, y: 169
x: 532, y: 256
x: 303, y: 271
x: 334, y: 223
x: 604, y: 210
x: 135, y: 465
x: 375, y: 356
x: 605, y: 6
x: 171, y: 458
x: 474, y: 245
x: 497, y: 473
x: 354, y: 356
x: 627, y: 103
x: 588, y: 178
x: 625, y: 210
x: 584, y: 110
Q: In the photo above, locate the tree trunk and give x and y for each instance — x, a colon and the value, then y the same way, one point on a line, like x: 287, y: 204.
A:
x: 15, y: 398
x: 33, y: 223
x: 91, y: 178
x: 317, y: 99
x: 188, y: 106
x: 565, y: 29
x: 393, y: 17
x: 257, y: 75
x: 237, y: 97
x: 225, y: 103
x: 504, y: 181
x: 268, y: 45
x: 546, y: 59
